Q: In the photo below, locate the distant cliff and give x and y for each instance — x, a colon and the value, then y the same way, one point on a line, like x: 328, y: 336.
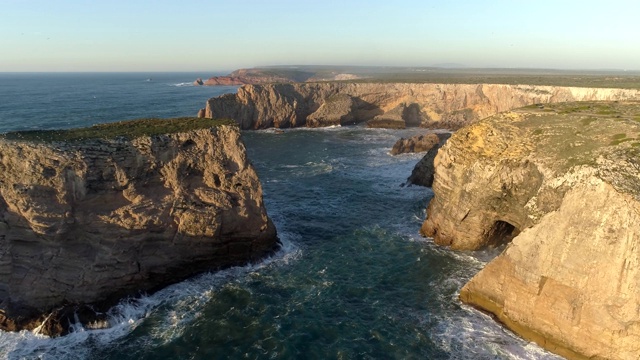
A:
x: 274, y: 75
x: 559, y: 187
x: 85, y: 221
x: 388, y: 104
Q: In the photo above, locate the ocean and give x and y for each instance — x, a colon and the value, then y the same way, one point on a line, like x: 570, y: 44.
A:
x: 353, y: 279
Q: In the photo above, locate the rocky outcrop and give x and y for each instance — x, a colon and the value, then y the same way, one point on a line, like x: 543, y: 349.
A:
x: 448, y: 106
x: 423, y: 173
x: 559, y: 186
x: 260, y: 76
x: 198, y: 82
x: 86, y: 222
x: 335, y: 110
x: 417, y: 143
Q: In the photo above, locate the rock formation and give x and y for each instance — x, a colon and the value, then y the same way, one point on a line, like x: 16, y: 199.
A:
x: 447, y: 106
x: 417, y: 143
x: 198, y: 82
x: 423, y: 173
x: 560, y: 186
x: 335, y: 110
x: 260, y: 76
x: 86, y: 222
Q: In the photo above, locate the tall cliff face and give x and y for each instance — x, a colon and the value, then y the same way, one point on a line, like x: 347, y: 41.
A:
x: 88, y: 222
x: 390, y: 104
x: 560, y: 186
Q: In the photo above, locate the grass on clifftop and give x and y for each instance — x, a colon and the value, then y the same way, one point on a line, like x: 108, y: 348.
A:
x: 127, y: 129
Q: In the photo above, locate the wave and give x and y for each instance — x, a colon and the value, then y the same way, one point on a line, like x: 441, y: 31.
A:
x: 177, y: 305
x: 182, y: 84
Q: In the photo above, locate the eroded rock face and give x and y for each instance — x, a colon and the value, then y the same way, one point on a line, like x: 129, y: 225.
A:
x: 417, y: 143
x: 445, y: 106
x: 423, y: 173
x: 562, y: 182
x: 92, y: 221
x: 335, y: 110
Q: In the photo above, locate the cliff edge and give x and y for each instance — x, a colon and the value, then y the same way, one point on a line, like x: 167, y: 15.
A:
x: 88, y: 216
x: 558, y: 185
x: 394, y: 105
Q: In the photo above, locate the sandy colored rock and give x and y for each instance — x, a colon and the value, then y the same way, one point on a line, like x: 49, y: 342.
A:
x: 414, y: 144
x: 88, y: 222
x: 559, y: 185
x: 445, y: 106
x: 335, y: 110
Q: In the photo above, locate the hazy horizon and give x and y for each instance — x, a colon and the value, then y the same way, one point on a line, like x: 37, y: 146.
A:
x: 196, y: 36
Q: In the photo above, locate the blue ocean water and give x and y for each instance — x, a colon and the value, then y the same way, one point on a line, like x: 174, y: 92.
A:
x: 352, y: 281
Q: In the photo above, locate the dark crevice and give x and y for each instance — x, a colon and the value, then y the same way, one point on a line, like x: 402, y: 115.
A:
x: 501, y: 233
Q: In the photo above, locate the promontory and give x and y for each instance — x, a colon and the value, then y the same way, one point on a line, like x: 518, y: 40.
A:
x: 88, y: 216
x: 559, y: 187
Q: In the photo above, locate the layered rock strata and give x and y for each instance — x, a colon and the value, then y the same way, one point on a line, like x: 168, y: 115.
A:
x: 394, y: 105
x: 86, y: 222
x: 560, y: 186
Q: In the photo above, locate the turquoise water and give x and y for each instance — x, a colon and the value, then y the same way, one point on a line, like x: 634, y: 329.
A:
x: 352, y: 281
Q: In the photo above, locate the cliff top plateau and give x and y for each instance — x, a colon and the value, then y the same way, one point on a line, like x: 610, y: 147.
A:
x: 130, y: 129
x: 460, y: 75
x: 559, y: 186
x: 89, y: 216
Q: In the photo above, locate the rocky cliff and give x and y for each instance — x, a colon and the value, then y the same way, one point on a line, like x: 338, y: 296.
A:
x: 559, y: 186
x: 389, y: 104
x: 86, y: 221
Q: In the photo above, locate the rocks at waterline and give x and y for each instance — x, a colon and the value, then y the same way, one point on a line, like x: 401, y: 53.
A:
x: 396, y: 105
x: 559, y: 185
x: 86, y: 221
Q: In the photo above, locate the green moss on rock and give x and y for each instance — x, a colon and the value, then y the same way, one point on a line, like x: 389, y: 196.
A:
x: 127, y: 129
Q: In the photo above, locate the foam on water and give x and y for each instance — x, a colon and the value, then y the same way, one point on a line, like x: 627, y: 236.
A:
x: 353, y: 278
x: 174, y: 308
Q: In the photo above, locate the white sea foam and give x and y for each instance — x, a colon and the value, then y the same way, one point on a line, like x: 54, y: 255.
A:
x: 185, y: 300
x: 182, y: 84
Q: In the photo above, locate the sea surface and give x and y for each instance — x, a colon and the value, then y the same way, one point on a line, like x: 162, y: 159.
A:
x: 353, y: 279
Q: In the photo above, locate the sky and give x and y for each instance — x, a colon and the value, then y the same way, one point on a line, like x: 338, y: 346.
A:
x: 215, y: 35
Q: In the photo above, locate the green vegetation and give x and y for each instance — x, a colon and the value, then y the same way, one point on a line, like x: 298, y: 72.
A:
x: 619, y: 136
x: 127, y: 129
x: 588, y: 121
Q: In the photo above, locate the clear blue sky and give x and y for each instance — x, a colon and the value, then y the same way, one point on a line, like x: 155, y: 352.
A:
x: 210, y: 35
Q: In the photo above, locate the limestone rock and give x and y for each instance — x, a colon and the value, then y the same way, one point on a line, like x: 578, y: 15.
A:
x: 201, y: 113
x: 424, y: 170
x: 414, y: 144
x: 85, y: 223
x: 444, y: 106
x: 335, y: 110
x: 559, y: 185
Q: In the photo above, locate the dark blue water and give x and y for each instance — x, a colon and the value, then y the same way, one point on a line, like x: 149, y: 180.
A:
x: 353, y: 280
x: 64, y: 100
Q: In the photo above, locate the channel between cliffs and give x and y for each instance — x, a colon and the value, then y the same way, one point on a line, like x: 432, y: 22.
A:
x: 390, y: 105
x: 86, y: 222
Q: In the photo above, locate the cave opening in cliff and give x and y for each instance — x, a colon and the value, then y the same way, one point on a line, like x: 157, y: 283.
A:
x: 501, y: 233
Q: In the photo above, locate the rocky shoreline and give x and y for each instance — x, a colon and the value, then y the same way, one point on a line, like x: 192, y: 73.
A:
x: 88, y: 221
x: 390, y: 105
x: 558, y: 186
